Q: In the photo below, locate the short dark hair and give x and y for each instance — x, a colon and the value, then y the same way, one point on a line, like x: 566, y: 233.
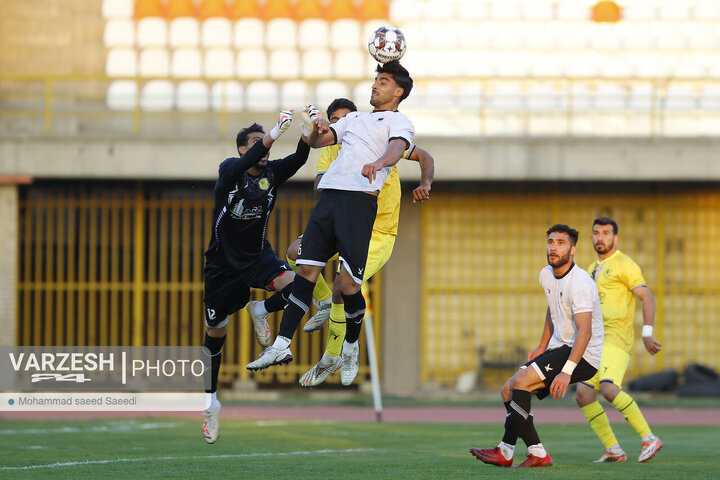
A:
x: 606, y: 221
x: 339, y: 103
x: 399, y: 74
x: 562, y: 228
x: 242, y: 136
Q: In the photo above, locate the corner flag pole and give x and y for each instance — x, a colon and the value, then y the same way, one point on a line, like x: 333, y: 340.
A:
x: 372, y: 356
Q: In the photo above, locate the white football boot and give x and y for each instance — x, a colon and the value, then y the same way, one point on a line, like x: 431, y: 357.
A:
x: 271, y: 356
x: 262, y: 329
x: 350, y: 362
x: 211, y: 423
x: 321, y: 371
x: 318, y: 320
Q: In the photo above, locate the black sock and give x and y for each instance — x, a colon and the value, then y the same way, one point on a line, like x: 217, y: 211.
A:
x: 297, y: 306
x: 519, y: 408
x: 278, y: 301
x: 354, y: 313
x: 528, y: 433
x: 214, y: 345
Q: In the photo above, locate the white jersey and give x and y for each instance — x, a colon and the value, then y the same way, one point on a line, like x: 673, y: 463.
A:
x: 364, y: 137
x: 575, y: 292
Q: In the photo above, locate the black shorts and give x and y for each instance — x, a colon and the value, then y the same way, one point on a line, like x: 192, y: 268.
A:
x: 341, y: 222
x: 227, y: 290
x: 550, y: 363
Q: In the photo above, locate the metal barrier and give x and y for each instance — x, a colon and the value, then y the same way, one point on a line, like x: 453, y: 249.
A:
x: 122, y: 265
x: 471, y: 106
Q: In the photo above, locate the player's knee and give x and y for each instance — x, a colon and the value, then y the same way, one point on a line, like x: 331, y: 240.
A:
x: 217, y: 332
x: 583, y: 396
x: 309, y: 272
x: 347, y: 285
x: 506, y: 390
x: 292, y: 251
x: 337, y: 293
x: 609, y: 390
x: 523, y: 380
x: 280, y: 282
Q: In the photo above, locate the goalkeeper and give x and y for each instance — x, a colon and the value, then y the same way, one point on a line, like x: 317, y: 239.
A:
x: 239, y: 256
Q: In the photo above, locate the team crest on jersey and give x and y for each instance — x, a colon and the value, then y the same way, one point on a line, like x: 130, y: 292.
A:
x: 264, y: 184
x: 607, y: 272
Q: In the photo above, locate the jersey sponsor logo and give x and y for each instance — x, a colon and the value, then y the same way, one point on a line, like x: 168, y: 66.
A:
x: 264, y: 184
x: 237, y: 210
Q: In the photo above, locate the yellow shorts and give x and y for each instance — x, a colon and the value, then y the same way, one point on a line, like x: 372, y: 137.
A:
x: 613, y: 365
x: 379, y: 251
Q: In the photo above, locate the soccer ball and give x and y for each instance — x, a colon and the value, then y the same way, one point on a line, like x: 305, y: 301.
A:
x: 387, y: 44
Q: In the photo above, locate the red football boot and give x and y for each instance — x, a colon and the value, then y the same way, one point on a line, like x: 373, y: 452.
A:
x: 533, y: 461
x: 492, y: 456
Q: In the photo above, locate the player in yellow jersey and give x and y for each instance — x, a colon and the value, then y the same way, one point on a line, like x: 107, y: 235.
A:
x: 381, y: 246
x: 619, y: 280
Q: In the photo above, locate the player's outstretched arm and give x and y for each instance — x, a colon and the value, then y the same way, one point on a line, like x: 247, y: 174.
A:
x: 559, y: 386
x: 648, y: 312
x: 427, y: 173
x: 392, y: 155
x: 232, y: 168
x: 284, y: 120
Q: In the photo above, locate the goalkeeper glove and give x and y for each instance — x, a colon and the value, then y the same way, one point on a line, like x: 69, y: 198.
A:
x: 284, y: 121
x: 312, y: 113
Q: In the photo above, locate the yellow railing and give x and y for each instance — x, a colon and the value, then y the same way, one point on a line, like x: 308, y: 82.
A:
x: 124, y: 266
x: 51, y: 97
x: 483, y: 251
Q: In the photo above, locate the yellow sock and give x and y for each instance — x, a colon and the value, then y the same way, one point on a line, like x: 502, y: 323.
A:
x: 632, y: 413
x: 598, y: 420
x: 321, y: 290
x: 336, y: 335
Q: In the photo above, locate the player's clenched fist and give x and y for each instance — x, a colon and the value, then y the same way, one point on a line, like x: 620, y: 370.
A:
x: 320, y: 125
x: 284, y: 121
x: 369, y: 171
x: 421, y: 193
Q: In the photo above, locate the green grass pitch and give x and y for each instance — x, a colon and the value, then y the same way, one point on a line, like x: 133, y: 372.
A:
x: 173, y: 448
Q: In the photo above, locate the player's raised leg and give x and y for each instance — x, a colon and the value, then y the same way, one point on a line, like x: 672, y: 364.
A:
x: 321, y: 292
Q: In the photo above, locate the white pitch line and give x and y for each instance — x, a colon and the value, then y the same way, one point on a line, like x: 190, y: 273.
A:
x: 148, y: 459
x: 119, y: 427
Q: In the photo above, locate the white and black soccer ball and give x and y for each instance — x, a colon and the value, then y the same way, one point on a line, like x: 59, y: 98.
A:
x: 387, y: 44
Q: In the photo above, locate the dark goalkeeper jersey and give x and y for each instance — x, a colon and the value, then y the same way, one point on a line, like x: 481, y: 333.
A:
x: 243, y: 204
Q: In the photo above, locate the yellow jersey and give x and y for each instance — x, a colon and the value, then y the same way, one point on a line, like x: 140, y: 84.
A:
x: 616, y: 277
x: 388, y: 211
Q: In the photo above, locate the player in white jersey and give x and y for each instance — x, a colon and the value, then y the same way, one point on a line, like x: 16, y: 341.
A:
x: 342, y: 221
x: 569, y: 350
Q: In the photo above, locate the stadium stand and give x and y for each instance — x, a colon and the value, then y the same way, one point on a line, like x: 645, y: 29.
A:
x: 213, y: 8
x: 244, y: 9
x: 184, y: 32
x: 179, y: 8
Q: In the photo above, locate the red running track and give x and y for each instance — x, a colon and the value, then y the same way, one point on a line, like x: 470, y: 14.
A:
x: 557, y: 415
